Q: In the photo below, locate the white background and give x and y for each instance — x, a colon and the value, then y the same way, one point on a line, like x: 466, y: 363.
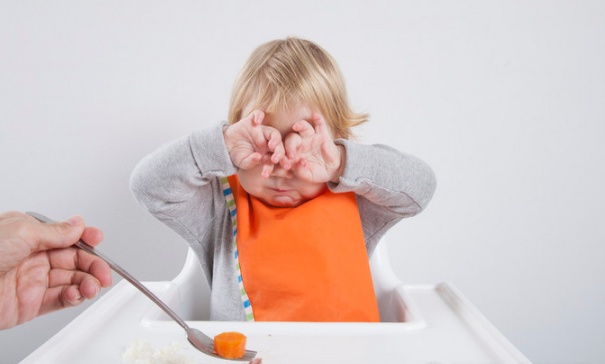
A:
x: 504, y: 99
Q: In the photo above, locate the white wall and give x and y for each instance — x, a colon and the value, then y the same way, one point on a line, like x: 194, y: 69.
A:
x: 503, y: 99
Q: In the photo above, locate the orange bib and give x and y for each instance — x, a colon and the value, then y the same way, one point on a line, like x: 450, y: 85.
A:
x: 306, y: 263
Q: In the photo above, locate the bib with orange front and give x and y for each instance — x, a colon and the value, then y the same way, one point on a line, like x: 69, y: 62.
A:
x: 305, y: 263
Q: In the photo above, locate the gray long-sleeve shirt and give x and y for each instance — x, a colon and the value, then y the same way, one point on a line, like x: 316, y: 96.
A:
x: 180, y: 185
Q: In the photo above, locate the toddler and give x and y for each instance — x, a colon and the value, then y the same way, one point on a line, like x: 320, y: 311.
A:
x: 280, y: 206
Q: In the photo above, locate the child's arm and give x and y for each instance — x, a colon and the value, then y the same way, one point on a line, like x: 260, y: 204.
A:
x: 389, y: 185
x: 180, y: 183
x: 172, y: 173
x: 396, y: 181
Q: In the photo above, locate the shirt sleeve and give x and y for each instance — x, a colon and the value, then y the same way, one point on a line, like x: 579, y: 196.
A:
x: 179, y: 183
x: 390, y: 185
x: 385, y: 176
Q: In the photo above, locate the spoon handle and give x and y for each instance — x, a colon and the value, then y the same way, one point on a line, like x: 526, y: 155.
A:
x: 135, y: 282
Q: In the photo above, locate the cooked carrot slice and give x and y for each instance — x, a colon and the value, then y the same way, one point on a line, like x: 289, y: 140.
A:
x: 230, y: 345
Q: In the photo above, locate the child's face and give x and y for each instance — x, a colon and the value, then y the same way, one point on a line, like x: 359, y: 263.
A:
x: 282, y: 188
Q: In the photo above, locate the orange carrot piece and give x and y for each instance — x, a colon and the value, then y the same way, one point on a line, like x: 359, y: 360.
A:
x: 230, y: 345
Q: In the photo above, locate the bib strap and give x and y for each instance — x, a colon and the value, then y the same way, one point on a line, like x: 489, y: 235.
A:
x: 233, y: 212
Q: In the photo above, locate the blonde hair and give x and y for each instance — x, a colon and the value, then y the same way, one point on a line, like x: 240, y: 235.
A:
x: 283, y: 73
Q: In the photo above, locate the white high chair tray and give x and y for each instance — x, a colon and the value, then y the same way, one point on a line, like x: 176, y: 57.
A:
x: 440, y: 327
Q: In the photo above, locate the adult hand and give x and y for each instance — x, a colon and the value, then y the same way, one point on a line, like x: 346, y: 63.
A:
x: 39, y: 270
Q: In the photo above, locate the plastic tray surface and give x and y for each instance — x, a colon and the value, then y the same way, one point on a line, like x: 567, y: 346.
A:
x: 437, y: 325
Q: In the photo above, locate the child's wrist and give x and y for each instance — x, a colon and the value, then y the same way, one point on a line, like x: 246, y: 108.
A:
x: 226, y: 137
x: 228, y: 142
x: 341, y: 168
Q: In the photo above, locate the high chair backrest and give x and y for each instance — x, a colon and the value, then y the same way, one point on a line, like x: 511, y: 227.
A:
x: 385, y: 281
x: 195, y: 294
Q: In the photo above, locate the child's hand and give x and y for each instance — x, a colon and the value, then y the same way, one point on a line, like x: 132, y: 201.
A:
x: 249, y: 143
x: 311, y: 152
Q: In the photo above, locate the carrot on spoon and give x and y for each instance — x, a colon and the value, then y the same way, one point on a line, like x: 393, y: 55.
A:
x: 230, y: 345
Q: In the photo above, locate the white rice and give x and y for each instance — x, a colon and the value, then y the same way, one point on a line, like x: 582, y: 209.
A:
x: 141, y: 352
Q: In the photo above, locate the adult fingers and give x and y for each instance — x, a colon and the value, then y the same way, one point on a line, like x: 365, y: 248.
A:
x: 92, y: 235
x: 60, y: 297
x: 68, y: 288
x: 65, y: 263
x: 11, y: 215
x: 94, y: 266
x: 72, y: 230
x: 40, y: 236
x: 64, y: 278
